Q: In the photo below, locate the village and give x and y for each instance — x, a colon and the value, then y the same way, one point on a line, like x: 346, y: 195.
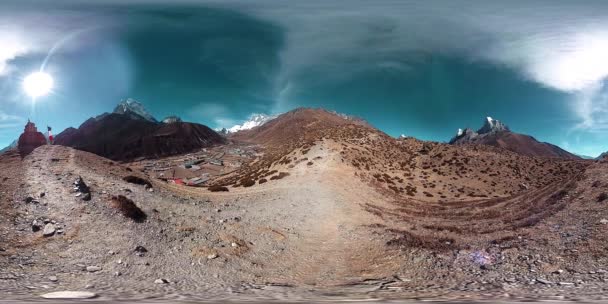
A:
x: 198, y: 168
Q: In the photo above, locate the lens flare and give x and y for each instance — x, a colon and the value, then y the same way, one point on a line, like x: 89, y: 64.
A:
x: 38, y: 84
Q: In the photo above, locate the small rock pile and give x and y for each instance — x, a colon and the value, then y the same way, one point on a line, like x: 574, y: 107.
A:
x: 83, y: 190
x: 49, y: 227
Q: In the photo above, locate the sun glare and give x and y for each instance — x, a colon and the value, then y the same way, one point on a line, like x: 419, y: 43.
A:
x: 38, y: 84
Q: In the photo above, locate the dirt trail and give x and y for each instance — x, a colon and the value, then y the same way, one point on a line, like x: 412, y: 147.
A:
x: 317, y: 218
x: 333, y: 245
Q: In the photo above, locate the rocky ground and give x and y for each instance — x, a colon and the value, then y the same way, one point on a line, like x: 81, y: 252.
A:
x: 310, y: 235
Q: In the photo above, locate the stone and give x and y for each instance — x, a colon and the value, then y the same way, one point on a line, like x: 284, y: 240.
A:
x: 53, y: 278
x: 604, y: 221
x: 93, y: 268
x: 141, y: 249
x: 81, y: 186
x: 69, y: 295
x: 212, y: 256
x: 49, y: 230
x: 28, y: 199
x: 86, y: 197
x: 161, y: 281
x: 543, y: 281
x: 36, y: 226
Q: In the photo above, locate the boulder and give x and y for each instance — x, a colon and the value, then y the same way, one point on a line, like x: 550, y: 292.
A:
x: 49, y: 230
x: 69, y: 295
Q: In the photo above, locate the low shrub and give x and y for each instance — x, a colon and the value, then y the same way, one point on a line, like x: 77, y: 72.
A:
x: 218, y: 189
x: 247, y: 182
x: 137, y: 180
x: 128, y: 208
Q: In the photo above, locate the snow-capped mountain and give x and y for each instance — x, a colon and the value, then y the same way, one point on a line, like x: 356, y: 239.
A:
x: 171, y: 119
x: 495, y: 133
x: 490, y: 126
x: 12, y: 145
x: 255, y: 120
x: 135, y: 109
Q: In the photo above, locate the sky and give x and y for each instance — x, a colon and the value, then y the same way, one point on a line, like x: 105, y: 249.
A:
x: 419, y: 68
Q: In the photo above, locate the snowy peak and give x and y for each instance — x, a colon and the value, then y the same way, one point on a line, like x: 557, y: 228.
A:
x: 497, y: 134
x: 12, y: 145
x: 492, y: 125
x: 255, y: 120
x: 135, y: 109
x: 171, y: 119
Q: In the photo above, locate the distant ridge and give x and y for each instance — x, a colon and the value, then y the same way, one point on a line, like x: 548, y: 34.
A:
x: 295, y: 125
x: 131, y: 133
x: 495, y: 133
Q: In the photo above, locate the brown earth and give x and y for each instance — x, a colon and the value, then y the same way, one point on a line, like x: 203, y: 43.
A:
x: 344, y: 211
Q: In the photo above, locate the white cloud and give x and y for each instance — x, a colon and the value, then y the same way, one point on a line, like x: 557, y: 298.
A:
x: 560, y: 45
x: 25, y: 31
x: 9, y: 123
x: 217, y: 113
x: 12, y: 46
x: 8, y: 117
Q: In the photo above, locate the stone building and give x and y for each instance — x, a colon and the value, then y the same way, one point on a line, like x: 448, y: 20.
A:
x: 30, y: 139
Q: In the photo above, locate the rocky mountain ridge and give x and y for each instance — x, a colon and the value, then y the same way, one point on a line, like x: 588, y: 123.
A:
x: 496, y: 133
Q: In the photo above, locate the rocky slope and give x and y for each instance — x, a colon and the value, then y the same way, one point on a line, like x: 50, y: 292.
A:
x: 497, y: 134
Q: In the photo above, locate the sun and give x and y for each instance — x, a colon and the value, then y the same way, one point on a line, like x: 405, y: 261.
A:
x: 38, y: 84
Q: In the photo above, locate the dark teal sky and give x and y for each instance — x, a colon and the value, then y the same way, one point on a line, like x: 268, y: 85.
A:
x: 422, y: 70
